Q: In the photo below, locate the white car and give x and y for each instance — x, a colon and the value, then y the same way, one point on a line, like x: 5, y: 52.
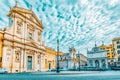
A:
x: 3, y: 70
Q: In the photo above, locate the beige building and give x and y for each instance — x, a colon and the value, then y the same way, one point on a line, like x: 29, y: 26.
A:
x: 50, y: 59
x: 1, y: 47
x: 23, y: 49
x: 109, y: 50
x: 83, y: 59
x: 110, y: 53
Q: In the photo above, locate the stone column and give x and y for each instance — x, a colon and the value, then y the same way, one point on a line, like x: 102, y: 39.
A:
x: 24, y: 61
x: 13, y: 60
x: 88, y: 63
x: 21, y: 59
x: 42, y: 62
x: 4, y: 56
x: 20, y: 64
x: 93, y: 63
x: 35, y: 62
x: 106, y: 62
x: 100, y: 64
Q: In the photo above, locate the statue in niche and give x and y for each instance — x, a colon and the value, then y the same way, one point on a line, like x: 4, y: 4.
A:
x: 38, y: 59
x: 30, y: 31
x: 17, y: 56
x: 19, y: 27
x: 39, y: 34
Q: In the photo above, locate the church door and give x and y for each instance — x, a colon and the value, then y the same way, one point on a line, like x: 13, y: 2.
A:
x: 49, y: 66
x: 97, y: 64
x: 29, y: 63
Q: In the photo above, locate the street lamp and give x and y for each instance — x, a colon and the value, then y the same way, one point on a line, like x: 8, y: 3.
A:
x: 79, y: 60
x: 58, y: 56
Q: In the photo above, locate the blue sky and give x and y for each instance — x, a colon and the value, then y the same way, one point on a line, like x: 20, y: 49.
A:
x: 77, y: 23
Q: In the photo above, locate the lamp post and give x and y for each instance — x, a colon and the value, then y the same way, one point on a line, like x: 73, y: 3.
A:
x: 79, y: 61
x: 58, y: 56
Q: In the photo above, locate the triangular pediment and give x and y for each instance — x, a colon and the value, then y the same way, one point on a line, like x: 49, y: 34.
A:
x: 28, y: 14
x: 33, y: 44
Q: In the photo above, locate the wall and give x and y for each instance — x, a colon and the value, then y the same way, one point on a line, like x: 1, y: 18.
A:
x: 50, y: 58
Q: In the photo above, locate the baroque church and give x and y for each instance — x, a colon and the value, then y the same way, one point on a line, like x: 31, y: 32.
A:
x: 97, y: 58
x: 22, y: 48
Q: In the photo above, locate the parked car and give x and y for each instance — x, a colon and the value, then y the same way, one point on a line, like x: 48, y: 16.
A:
x: 3, y: 70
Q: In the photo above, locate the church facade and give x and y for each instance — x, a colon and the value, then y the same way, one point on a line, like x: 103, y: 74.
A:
x: 69, y: 60
x: 97, y: 58
x: 22, y: 45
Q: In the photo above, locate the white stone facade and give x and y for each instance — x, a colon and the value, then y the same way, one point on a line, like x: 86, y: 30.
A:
x: 70, y: 60
x: 23, y: 48
x: 97, y: 58
x: 83, y: 60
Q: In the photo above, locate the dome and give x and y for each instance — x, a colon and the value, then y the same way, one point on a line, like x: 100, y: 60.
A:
x: 94, y: 49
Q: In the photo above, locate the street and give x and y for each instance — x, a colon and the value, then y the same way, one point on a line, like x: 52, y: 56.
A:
x: 82, y: 75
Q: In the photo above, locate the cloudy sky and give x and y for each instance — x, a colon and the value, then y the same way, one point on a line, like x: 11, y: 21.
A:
x: 77, y: 23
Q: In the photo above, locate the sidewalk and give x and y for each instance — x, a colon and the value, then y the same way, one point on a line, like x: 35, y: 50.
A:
x: 65, y: 72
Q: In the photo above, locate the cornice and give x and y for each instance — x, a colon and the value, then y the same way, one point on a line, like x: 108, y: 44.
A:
x: 24, y: 44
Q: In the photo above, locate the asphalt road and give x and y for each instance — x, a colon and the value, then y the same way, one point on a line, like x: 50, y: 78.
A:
x: 97, y: 75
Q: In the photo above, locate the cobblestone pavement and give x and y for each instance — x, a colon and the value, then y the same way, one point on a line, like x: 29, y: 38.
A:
x: 82, y: 75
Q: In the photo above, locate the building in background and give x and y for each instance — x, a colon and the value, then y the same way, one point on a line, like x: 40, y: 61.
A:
x: 1, y: 47
x: 97, y: 58
x: 116, y: 47
x: 64, y: 61
x: 50, y: 59
x: 69, y: 60
x: 110, y: 51
x: 102, y: 47
x: 22, y: 49
x: 110, y: 54
x: 82, y: 60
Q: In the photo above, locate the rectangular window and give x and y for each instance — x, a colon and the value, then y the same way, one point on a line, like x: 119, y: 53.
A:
x: 30, y: 35
x: 107, y: 53
x: 118, y: 51
x: 118, y: 58
x: 118, y: 42
x: 118, y: 46
x: 29, y: 63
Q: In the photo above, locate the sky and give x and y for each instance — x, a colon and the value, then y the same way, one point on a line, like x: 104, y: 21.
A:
x: 77, y: 23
